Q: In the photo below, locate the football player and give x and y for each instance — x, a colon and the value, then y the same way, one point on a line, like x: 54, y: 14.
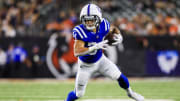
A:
x: 88, y: 47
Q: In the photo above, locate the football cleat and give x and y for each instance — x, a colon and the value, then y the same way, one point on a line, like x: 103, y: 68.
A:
x: 136, y: 96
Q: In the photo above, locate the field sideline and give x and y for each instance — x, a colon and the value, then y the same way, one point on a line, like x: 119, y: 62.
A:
x: 56, y: 90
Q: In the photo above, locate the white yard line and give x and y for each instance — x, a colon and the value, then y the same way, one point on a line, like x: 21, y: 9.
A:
x: 94, y: 100
x: 29, y: 100
x: 126, y: 100
x: 28, y: 96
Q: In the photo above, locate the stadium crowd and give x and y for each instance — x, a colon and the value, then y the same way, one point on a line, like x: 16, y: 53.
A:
x: 135, y: 17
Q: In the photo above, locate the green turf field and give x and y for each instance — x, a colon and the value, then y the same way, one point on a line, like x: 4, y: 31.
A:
x: 56, y: 90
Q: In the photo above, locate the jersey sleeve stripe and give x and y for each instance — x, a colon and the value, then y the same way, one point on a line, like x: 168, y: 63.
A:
x: 108, y: 25
x: 74, y: 33
x: 78, y: 32
x: 82, y: 31
x: 105, y: 24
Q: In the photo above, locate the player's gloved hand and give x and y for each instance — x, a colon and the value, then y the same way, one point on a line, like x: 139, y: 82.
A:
x: 101, y: 45
x: 118, y: 39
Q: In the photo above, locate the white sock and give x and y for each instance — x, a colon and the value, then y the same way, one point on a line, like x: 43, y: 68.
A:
x: 129, y: 90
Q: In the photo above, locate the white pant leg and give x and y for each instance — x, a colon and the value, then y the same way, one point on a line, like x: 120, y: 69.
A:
x: 108, y: 68
x: 83, y: 75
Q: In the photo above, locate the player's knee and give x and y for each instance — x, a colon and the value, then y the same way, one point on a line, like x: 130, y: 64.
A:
x: 80, y: 94
x: 116, y: 75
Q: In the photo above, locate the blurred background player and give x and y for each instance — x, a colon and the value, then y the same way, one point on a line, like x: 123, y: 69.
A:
x: 88, y: 47
x: 3, y: 60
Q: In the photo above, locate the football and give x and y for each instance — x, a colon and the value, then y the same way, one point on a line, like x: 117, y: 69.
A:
x: 110, y: 35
